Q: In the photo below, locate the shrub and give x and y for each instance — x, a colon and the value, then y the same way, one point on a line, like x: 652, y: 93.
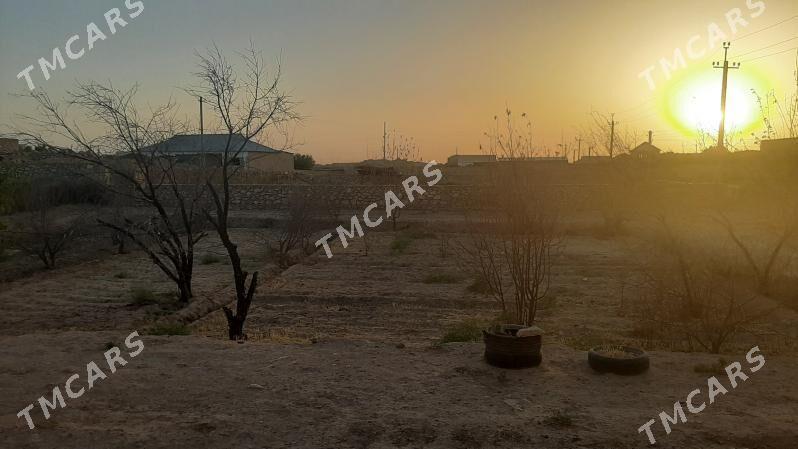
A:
x: 441, y: 278
x: 303, y: 162
x: 18, y: 194
x: 480, y: 285
x: 465, y: 331
x: 558, y: 419
x: 692, y: 296
x: 711, y: 368
x: 400, y: 244
x: 143, y: 296
x: 419, y: 234
x: 169, y: 329
x: 209, y: 259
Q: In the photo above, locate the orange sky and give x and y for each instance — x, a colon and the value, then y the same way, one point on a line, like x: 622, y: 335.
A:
x: 437, y: 71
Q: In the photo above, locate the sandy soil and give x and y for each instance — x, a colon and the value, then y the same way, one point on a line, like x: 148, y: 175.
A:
x: 189, y: 392
x: 375, y: 376
x: 97, y: 295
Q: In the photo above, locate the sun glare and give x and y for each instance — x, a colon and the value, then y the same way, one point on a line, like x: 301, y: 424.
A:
x: 691, y: 103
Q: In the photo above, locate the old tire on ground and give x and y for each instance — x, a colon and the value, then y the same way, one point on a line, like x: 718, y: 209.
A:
x: 637, y: 363
x: 505, y: 350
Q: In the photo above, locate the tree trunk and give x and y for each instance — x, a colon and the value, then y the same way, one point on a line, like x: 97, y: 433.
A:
x: 235, y: 325
x: 184, y: 288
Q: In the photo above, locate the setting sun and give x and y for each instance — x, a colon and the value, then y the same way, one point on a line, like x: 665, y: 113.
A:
x: 691, y: 103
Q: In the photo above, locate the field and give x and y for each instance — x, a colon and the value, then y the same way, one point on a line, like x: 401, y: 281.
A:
x: 365, y: 350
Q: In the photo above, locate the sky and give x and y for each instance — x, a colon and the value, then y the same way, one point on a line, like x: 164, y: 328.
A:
x: 435, y: 70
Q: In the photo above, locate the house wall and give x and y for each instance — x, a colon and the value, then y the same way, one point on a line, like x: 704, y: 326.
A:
x: 271, y: 162
x: 780, y: 147
x: 9, y: 146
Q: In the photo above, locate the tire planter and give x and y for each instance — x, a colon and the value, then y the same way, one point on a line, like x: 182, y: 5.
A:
x: 504, y: 349
x: 636, y: 362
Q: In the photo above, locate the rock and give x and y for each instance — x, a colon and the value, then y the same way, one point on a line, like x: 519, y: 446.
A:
x: 531, y: 331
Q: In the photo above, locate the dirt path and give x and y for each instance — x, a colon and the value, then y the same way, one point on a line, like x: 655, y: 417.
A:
x: 191, y: 392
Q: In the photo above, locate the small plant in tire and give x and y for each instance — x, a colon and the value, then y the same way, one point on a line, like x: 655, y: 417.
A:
x: 697, y: 399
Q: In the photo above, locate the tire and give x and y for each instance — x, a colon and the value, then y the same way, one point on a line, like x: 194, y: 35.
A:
x: 508, y: 351
x: 637, y: 364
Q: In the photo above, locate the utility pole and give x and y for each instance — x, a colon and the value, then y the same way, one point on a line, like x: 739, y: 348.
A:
x: 725, y: 66
x: 202, y: 134
x: 578, y: 148
x: 612, y: 134
x: 384, y: 140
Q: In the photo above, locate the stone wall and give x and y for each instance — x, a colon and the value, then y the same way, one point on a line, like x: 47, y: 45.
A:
x: 357, y: 197
x: 452, y: 198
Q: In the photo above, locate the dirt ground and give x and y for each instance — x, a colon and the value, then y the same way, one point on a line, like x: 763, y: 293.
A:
x: 345, y: 352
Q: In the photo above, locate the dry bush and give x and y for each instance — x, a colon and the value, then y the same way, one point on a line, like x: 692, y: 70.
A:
x: 695, y: 298
x: 44, y: 231
x: 765, y: 259
x: 300, y: 224
x: 511, y: 245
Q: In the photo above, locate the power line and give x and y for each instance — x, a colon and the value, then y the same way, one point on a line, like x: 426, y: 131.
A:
x: 771, y: 54
x: 636, y: 107
x: 768, y: 46
x: 766, y: 28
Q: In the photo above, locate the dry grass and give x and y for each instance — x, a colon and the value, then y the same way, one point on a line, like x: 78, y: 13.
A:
x: 215, y: 326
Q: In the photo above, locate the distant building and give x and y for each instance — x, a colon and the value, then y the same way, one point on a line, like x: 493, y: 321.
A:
x: 535, y: 160
x: 208, y: 149
x: 780, y: 147
x: 465, y: 160
x: 645, y: 151
x: 593, y: 159
x: 8, y: 147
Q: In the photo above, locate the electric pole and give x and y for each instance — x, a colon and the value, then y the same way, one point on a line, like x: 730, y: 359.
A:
x: 725, y: 66
x: 202, y: 134
x: 384, y: 140
x: 612, y: 134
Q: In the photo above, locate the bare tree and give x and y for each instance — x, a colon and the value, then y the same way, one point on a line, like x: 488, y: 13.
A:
x: 513, y: 244
x: 129, y: 148
x: 399, y: 147
x: 780, y: 117
x: 297, y: 228
x: 248, y: 105
x: 44, y: 232
x: 617, y: 140
x: 762, y: 268
x: 509, y: 140
x: 695, y: 296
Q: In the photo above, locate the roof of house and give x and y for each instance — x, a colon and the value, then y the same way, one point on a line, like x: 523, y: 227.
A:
x: 487, y: 157
x: 211, y: 143
x: 645, y: 148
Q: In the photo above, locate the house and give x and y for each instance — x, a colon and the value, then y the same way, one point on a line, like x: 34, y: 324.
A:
x: 208, y: 150
x: 8, y: 147
x: 780, y: 147
x: 535, y: 160
x: 645, y: 151
x: 466, y: 160
x: 593, y: 159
